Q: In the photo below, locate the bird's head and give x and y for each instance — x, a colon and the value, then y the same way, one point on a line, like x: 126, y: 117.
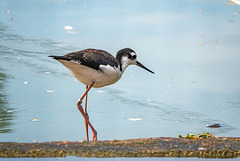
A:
x: 126, y: 57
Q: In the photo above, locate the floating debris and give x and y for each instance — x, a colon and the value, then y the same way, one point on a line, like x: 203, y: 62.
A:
x: 70, y: 30
x: 13, y: 19
x: 134, y: 119
x: 235, y: 1
x: 149, y: 100
x: 8, y: 11
x: 26, y: 82
x: 100, y: 91
x: 68, y: 27
x: 9, y: 110
x: 197, y: 136
x: 17, y: 138
x: 208, y: 136
x: 34, y: 120
x: 214, y: 126
x: 49, y: 91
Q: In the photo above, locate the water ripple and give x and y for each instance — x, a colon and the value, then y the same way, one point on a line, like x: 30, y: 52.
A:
x: 31, y: 52
x: 161, y: 111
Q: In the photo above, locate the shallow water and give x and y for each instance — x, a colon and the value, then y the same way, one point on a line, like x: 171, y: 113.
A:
x: 192, y: 46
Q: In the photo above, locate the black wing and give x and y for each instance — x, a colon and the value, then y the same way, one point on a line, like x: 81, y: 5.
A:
x: 90, y: 57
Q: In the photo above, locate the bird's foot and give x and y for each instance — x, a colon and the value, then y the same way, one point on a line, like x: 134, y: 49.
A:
x: 94, y: 137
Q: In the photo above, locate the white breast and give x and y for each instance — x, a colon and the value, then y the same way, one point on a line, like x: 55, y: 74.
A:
x: 107, y: 74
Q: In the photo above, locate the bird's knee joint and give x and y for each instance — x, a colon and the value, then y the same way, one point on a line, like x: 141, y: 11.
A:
x: 79, y: 102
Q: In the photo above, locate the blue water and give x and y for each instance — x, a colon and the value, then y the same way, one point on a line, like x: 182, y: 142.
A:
x: 192, y: 46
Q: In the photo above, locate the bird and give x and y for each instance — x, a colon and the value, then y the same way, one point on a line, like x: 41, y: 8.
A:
x: 97, y: 68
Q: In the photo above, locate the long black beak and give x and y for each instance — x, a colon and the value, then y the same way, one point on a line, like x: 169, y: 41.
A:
x: 142, y: 66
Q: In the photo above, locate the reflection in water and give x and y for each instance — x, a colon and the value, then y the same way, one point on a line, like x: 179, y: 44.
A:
x: 6, y: 114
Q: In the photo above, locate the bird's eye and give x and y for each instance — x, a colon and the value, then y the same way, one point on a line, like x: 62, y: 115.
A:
x: 129, y: 56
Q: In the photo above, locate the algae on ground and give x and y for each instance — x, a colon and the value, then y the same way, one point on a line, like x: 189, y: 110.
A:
x: 151, y: 147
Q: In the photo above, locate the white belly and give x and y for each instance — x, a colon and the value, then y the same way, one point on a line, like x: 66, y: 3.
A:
x: 87, y: 75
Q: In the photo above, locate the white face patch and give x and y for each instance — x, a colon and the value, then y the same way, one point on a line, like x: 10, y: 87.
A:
x: 126, y: 61
x: 132, y: 53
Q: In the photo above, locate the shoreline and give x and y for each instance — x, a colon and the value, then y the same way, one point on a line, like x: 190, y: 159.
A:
x: 228, y: 147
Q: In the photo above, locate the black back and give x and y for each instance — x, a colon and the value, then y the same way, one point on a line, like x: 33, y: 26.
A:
x: 90, y: 57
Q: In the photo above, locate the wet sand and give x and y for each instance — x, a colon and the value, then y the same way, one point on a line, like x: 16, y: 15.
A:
x: 149, y: 147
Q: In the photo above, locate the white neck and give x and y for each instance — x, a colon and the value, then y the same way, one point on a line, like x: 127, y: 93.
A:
x: 125, y: 62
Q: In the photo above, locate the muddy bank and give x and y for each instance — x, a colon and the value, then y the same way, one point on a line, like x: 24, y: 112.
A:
x: 149, y: 147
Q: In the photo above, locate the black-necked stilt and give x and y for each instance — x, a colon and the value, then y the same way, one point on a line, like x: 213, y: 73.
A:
x: 97, y: 68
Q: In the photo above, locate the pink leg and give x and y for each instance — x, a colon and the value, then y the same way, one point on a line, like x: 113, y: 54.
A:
x: 85, y: 116
x: 85, y: 111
